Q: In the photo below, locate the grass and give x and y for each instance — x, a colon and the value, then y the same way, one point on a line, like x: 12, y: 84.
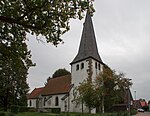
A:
x: 63, y: 114
x: 50, y: 114
x: 34, y: 114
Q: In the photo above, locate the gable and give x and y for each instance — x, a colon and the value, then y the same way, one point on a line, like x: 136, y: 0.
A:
x: 35, y: 93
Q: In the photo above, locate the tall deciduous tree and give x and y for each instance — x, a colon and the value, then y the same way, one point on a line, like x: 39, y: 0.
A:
x: 87, y: 93
x: 49, y: 18
x: 108, y: 89
x: 14, y: 64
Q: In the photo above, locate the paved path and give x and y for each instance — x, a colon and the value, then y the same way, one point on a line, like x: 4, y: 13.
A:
x: 143, y: 114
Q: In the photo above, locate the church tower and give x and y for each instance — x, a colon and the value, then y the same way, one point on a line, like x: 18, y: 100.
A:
x: 87, y: 63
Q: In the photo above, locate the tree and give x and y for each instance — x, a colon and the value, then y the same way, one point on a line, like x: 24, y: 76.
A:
x: 14, y: 64
x: 111, y: 87
x: 87, y: 93
x: 104, y: 88
x: 49, y: 18
x: 60, y: 72
x: 108, y: 89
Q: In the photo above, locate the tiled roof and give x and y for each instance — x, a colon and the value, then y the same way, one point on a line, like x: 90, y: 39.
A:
x: 88, y: 46
x: 58, y: 85
x: 143, y: 103
x: 35, y: 93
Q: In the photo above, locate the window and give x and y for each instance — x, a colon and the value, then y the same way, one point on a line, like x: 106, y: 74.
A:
x: 96, y: 65
x: 56, y: 101
x: 99, y: 66
x: 44, y: 101
x: 77, y: 67
x: 30, y: 103
x: 82, y: 65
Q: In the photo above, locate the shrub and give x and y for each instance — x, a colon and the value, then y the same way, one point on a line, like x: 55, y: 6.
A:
x: 14, y: 109
x: 2, y: 113
x: 22, y: 109
x: 145, y: 108
x: 31, y: 109
x: 55, y: 110
x: 10, y: 114
x: 133, y: 112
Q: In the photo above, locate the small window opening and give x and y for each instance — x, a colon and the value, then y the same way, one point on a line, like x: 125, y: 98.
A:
x: 82, y: 65
x: 30, y: 103
x: 77, y: 67
x: 96, y: 65
x: 56, y: 101
x: 99, y: 66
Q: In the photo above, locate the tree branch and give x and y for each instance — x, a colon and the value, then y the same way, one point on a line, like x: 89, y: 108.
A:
x: 13, y: 21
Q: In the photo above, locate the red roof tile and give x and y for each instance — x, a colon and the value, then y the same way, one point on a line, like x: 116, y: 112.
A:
x: 57, y: 85
x: 35, y: 93
x: 143, y: 103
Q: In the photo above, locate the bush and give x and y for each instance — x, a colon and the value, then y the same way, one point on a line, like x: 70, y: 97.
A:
x: 133, y: 112
x: 145, y: 108
x: 2, y: 113
x: 22, y: 109
x: 14, y: 109
x: 31, y: 109
x: 55, y: 110
x: 10, y: 114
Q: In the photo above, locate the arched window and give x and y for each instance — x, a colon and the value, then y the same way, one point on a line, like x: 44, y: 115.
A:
x: 82, y: 65
x: 99, y: 66
x: 77, y: 67
x: 56, y: 101
x: 44, y: 101
x: 96, y: 65
x: 30, y: 103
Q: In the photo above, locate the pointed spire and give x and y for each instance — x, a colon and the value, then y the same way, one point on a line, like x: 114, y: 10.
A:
x: 88, y: 46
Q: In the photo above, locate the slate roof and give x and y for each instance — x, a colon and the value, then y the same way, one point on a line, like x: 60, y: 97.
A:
x: 35, y: 93
x: 58, y: 85
x: 88, y: 46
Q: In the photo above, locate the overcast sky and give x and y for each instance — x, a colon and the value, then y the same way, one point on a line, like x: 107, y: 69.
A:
x: 122, y: 30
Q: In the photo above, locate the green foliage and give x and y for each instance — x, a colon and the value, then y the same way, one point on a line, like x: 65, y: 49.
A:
x: 14, y: 109
x: 42, y: 17
x: 23, y: 108
x: 60, y: 72
x: 145, y: 108
x: 108, y: 89
x: 39, y: 17
x: 87, y: 93
x: 2, y: 113
x: 133, y: 112
x: 31, y: 109
x: 55, y: 110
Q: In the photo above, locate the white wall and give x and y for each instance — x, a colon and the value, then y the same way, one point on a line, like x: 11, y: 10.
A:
x: 50, y: 103
x: 82, y: 74
x: 33, y: 103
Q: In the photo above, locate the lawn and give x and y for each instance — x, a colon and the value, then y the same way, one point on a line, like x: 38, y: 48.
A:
x: 50, y: 114
x: 35, y: 114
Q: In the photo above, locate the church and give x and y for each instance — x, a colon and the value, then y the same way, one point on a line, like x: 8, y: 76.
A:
x: 59, y: 92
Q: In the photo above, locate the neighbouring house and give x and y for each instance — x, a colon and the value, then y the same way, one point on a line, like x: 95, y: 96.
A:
x: 127, y: 102
x: 149, y: 104
x: 139, y: 104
